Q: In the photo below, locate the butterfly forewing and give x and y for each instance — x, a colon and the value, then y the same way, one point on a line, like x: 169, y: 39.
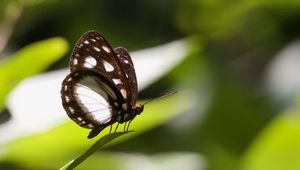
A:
x: 128, y: 68
x: 92, y: 52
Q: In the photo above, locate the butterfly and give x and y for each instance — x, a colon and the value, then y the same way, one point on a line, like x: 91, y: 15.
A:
x: 101, y: 88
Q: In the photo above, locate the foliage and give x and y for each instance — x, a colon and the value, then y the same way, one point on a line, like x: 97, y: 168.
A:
x: 28, y: 61
x: 69, y: 140
x: 278, y: 142
x: 97, y: 145
x: 231, y: 119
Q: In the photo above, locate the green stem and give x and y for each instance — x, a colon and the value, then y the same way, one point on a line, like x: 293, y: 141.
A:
x: 97, y: 145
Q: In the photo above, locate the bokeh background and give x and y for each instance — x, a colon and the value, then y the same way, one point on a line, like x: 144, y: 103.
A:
x: 242, y: 68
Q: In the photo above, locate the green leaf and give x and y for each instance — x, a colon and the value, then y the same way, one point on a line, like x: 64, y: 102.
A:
x: 28, y: 61
x: 278, y: 146
x: 62, y: 144
x: 97, y: 145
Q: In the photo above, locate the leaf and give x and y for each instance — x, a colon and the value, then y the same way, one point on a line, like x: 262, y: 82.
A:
x: 28, y: 61
x: 61, y: 144
x: 278, y: 146
x: 97, y: 145
x: 132, y: 160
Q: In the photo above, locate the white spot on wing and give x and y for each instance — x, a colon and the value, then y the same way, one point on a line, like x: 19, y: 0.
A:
x: 93, y: 39
x: 97, y: 49
x: 71, y: 109
x: 75, y: 61
x: 90, y: 125
x: 126, y: 61
x: 88, y: 65
x: 107, y: 66
x: 124, y: 93
x: 117, y: 81
x: 67, y: 98
x: 86, y: 42
x: 79, y: 118
x: 91, y: 60
x: 106, y: 49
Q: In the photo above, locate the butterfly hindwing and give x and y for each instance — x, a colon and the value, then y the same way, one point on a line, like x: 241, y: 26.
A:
x: 90, y: 99
x: 128, y: 68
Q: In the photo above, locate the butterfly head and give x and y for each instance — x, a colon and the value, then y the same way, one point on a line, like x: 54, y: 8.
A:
x: 138, y: 109
x: 127, y: 116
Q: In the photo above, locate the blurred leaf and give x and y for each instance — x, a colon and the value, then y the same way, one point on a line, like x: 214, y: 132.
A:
x: 278, y: 146
x: 97, y: 145
x: 3, y: 6
x: 28, y: 61
x: 34, y: 2
x: 65, y: 142
x: 157, y: 161
x: 218, y: 19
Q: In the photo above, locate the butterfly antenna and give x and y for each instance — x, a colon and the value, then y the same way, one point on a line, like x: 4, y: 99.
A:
x: 160, y: 97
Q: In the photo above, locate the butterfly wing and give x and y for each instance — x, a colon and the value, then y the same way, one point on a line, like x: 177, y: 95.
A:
x: 90, y: 99
x: 92, y: 52
x: 128, y: 68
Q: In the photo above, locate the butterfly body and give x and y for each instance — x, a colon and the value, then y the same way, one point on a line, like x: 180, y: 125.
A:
x: 102, y: 87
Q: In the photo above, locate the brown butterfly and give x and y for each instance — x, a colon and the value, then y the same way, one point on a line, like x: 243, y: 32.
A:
x: 102, y: 87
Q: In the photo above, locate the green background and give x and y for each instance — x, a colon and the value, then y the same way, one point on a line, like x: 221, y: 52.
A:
x: 242, y: 125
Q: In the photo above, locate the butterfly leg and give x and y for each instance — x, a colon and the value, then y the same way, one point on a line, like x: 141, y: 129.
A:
x: 110, y: 129
x: 125, y: 126
x: 129, y: 124
x: 117, y: 127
